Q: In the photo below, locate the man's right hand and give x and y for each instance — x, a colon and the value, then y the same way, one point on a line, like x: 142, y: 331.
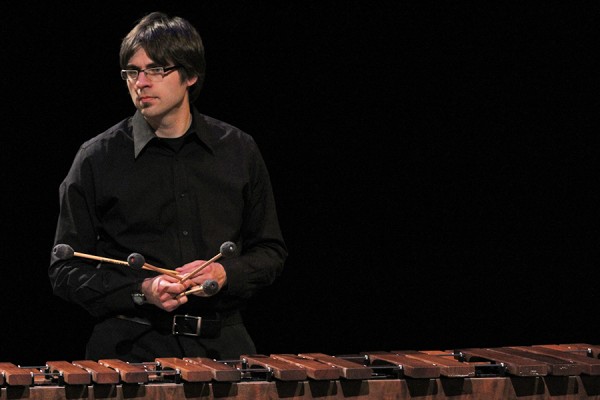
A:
x: 162, y: 291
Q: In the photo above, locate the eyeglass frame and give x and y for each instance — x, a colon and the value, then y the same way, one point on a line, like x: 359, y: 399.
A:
x: 158, y: 72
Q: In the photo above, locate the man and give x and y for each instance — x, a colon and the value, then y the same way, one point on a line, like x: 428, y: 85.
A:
x: 172, y: 185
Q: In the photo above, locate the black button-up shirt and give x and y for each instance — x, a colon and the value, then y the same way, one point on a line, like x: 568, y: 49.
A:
x: 130, y: 191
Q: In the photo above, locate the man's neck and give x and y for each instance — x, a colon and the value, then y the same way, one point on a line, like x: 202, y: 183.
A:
x: 173, y: 126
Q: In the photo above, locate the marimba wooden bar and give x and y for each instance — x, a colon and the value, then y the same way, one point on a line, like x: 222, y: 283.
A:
x: 555, y: 371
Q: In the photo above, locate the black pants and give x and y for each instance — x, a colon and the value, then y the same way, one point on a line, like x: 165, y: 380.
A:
x: 134, y: 342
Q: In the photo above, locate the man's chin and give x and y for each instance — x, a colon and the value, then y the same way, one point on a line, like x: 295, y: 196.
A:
x: 146, y: 111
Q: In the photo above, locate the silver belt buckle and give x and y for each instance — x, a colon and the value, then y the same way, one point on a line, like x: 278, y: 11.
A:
x: 188, y: 325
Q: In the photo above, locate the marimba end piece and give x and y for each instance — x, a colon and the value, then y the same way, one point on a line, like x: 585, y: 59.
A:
x: 410, y: 367
x: 314, y: 369
x: 348, y: 369
x: 71, y: 374
x: 128, y: 373
x: 100, y: 374
x: 190, y: 372
x: 449, y: 367
x: 280, y: 369
x: 515, y: 365
x: 220, y: 371
x: 14, y: 375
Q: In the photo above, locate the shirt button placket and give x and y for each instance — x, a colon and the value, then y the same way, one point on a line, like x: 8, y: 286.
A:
x: 183, y: 207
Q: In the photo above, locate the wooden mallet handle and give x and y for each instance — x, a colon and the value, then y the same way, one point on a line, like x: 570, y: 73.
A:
x: 137, y: 261
x: 227, y: 249
x: 64, y: 252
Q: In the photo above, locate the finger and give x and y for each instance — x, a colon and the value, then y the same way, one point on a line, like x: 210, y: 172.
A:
x: 173, y: 303
x: 167, y: 295
x: 190, y: 266
x: 170, y: 279
x: 175, y: 289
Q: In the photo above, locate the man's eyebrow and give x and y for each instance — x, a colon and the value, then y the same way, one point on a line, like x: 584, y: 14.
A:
x: 151, y: 65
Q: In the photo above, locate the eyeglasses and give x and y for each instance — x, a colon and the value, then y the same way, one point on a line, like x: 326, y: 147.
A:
x: 154, y: 74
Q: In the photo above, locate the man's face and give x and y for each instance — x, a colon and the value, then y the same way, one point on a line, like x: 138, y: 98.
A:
x: 157, y: 96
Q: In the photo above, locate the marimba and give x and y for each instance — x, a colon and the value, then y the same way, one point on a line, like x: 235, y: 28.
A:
x: 566, y: 371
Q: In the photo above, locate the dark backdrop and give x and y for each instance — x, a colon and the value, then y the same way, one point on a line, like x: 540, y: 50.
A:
x: 435, y: 164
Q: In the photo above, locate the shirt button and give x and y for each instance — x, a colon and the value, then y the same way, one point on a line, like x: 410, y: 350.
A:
x: 185, y: 233
x: 182, y: 195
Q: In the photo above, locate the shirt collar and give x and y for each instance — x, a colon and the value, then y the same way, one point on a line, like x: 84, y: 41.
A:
x: 143, y: 132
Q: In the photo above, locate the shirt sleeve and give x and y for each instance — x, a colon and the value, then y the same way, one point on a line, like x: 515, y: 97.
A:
x: 100, y: 288
x: 263, y: 250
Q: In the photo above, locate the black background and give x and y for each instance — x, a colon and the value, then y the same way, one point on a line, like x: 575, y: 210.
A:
x: 434, y: 164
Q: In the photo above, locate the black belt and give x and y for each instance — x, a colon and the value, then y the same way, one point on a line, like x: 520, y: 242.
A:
x: 189, y: 325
